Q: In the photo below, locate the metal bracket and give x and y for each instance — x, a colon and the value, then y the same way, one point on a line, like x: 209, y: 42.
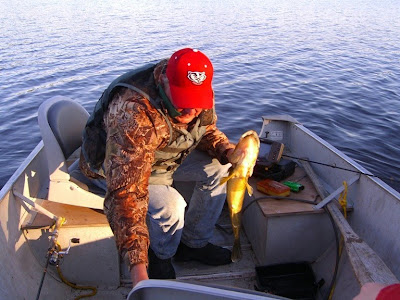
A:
x: 335, y: 193
x: 35, y: 206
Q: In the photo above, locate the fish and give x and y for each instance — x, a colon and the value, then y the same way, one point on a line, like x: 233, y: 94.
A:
x: 243, y: 159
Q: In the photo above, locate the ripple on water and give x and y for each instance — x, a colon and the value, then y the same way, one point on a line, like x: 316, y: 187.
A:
x: 332, y: 65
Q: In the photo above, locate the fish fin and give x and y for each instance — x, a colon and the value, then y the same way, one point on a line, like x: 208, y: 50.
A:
x: 225, y: 179
x: 249, y: 189
x: 232, y: 174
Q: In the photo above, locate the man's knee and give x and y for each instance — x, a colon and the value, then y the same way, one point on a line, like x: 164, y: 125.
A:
x: 166, y: 206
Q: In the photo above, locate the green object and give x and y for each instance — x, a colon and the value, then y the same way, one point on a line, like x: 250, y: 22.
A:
x: 294, y: 186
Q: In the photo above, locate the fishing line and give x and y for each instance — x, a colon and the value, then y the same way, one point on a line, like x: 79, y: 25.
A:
x: 341, y: 168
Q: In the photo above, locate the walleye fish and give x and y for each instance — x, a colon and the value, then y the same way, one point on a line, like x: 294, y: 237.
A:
x: 243, y: 158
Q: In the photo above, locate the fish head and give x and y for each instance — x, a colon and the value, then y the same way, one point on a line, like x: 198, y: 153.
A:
x: 246, y: 151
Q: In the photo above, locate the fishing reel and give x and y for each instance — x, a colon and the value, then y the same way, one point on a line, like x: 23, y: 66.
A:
x: 55, y: 255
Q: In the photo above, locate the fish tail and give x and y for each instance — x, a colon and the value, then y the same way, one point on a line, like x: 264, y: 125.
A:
x: 236, y: 251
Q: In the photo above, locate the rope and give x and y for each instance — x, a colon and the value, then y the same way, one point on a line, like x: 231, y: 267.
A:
x: 55, y: 227
x: 343, y: 199
x: 77, y: 287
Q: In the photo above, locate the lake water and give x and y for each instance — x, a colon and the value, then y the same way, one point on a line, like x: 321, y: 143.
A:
x: 333, y: 65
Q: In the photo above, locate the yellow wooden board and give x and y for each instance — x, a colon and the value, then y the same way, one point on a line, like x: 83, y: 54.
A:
x: 75, y: 215
x: 277, y: 207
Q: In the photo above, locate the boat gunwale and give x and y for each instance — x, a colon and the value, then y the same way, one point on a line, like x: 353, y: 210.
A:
x: 8, y: 186
x: 358, y: 167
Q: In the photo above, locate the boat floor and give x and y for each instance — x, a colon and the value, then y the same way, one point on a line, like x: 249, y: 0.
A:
x: 240, y: 274
x: 85, y: 222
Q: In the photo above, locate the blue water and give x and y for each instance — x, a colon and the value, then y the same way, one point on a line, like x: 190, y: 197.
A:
x: 333, y: 65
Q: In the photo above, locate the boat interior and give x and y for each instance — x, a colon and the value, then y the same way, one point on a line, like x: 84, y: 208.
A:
x: 290, y: 248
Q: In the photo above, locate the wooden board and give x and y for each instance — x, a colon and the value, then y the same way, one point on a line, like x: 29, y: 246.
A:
x: 277, y: 207
x: 75, y: 215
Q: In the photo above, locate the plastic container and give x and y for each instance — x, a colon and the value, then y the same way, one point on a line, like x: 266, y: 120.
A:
x: 273, y: 188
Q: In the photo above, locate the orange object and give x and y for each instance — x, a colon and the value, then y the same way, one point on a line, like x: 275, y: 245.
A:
x: 273, y: 188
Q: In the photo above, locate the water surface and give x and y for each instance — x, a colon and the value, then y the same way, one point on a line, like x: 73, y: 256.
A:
x: 333, y: 65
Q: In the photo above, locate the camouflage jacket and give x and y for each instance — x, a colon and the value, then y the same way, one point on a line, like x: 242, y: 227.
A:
x: 136, y: 132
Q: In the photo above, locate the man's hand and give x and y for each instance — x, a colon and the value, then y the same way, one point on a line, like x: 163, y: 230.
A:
x: 229, y: 153
x: 138, y: 273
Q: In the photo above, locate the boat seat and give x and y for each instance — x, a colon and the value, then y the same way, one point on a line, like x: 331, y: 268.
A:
x: 61, y: 121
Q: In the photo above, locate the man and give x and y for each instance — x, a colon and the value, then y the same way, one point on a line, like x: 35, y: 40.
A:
x: 142, y: 129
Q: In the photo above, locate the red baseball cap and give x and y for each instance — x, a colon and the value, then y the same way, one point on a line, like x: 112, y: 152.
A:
x: 190, y: 73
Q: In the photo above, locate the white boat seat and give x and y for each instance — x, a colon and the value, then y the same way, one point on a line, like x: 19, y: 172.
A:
x: 61, y: 122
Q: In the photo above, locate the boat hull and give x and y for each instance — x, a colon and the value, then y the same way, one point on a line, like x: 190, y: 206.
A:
x: 375, y: 208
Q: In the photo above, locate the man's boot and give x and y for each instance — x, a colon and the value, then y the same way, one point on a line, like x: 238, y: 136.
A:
x: 210, y: 254
x: 160, y: 268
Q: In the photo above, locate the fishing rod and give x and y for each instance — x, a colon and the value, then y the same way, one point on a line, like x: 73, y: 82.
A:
x: 54, y: 256
x: 52, y: 253
x: 341, y: 168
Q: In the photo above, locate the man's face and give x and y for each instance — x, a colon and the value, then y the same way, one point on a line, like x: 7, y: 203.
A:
x: 187, y: 114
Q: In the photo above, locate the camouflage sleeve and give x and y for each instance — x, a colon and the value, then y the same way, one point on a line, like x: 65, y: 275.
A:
x: 134, y: 131
x: 216, y: 143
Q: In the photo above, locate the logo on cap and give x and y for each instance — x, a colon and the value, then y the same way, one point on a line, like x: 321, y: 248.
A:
x: 196, y: 78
